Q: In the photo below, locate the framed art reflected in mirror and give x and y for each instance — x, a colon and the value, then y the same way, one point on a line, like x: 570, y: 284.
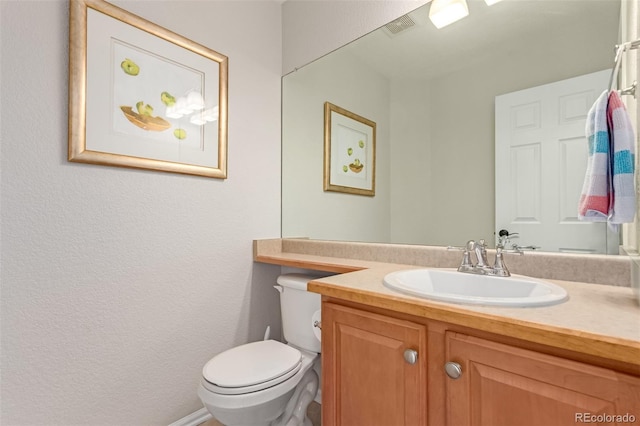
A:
x: 349, y: 152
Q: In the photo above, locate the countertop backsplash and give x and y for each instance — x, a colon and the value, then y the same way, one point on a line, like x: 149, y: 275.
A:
x: 592, y: 268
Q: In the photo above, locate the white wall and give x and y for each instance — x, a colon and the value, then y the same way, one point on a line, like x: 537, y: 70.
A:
x: 308, y: 211
x: 411, y: 176
x: 118, y: 285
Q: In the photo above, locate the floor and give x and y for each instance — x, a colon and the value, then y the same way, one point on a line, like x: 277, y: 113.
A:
x: 314, y: 412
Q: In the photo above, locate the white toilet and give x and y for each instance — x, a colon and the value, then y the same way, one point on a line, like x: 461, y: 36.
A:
x: 268, y: 382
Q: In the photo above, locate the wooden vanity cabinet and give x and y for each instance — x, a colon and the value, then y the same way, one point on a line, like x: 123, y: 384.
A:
x: 502, y: 385
x: 366, y: 378
x: 367, y: 381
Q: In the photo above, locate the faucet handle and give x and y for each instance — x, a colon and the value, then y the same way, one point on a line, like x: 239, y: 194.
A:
x: 504, y: 236
x: 466, y: 264
x: 506, y: 233
x: 499, y: 267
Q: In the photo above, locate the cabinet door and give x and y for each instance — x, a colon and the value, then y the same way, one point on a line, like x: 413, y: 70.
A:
x: 503, y: 385
x: 365, y: 377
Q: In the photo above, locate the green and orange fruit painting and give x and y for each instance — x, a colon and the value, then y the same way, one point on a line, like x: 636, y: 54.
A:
x: 130, y: 67
x: 167, y: 99
x: 180, y: 134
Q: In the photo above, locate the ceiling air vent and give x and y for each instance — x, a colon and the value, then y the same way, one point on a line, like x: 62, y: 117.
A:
x: 401, y: 24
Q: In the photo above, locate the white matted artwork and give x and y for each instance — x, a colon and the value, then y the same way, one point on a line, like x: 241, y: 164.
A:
x: 142, y: 96
x: 349, y: 152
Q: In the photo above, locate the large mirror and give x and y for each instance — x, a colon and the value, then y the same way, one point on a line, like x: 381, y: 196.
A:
x: 432, y: 94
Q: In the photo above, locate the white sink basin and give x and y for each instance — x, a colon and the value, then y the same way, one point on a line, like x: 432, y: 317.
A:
x: 458, y: 287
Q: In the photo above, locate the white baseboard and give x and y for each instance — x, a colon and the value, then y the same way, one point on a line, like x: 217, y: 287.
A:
x: 194, y: 419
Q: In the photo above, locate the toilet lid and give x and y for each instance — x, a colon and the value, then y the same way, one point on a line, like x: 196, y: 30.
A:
x: 253, y: 364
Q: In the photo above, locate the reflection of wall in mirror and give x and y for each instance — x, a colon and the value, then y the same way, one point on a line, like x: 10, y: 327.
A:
x: 447, y: 183
x: 312, y: 29
x: 308, y: 210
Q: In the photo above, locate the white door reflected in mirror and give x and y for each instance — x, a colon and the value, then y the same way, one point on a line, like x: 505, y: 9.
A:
x: 541, y: 159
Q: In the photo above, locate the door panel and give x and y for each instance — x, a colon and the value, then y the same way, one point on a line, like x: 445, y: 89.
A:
x: 366, y: 380
x: 503, y: 385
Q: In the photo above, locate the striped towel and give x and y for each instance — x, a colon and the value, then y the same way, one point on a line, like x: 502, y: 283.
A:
x: 622, y: 147
x: 597, y: 188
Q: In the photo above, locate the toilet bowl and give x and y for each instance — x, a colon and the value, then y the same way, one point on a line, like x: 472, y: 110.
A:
x: 269, y: 382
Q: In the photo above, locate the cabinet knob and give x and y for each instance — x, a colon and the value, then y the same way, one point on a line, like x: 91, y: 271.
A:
x: 453, y: 370
x: 411, y: 356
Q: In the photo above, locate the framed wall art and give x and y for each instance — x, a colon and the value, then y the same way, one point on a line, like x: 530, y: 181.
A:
x: 142, y: 96
x: 349, y: 152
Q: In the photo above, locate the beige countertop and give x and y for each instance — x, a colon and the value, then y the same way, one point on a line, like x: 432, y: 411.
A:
x: 598, y: 320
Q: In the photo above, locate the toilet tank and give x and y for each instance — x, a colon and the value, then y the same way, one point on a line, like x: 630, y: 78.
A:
x: 300, y: 309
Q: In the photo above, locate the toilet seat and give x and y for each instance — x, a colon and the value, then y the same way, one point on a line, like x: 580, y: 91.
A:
x: 251, y: 367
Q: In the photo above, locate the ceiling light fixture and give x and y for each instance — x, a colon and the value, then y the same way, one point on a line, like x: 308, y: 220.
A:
x: 445, y: 12
x: 491, y: 2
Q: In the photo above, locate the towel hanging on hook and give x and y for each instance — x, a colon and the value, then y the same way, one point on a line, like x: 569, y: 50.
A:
x: 608, y: 193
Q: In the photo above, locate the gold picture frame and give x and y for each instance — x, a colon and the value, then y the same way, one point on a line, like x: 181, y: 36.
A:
x: 349, y: 152
x: 141, y: 96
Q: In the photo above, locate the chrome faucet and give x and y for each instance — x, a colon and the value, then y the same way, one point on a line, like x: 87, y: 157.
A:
x: 480, y: 248
x: 499, y: 268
